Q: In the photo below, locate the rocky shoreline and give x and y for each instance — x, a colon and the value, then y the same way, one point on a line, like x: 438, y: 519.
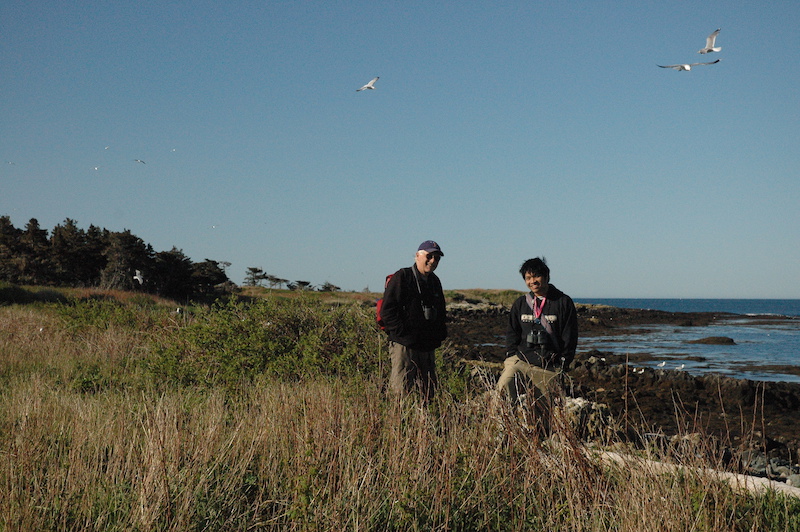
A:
x: 737, y: 412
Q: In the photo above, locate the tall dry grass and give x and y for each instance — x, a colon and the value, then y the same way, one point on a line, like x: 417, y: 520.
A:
x: 311, y: 454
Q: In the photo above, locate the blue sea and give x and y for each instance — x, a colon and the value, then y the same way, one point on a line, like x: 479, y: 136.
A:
x: 763, y: 351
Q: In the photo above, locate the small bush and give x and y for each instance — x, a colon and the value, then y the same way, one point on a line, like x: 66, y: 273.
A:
x: 236, y: 341
x: 102, y: 314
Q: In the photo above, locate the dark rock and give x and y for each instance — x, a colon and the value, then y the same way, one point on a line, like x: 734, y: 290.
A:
x: 713, y: 340
x: 740, y: 413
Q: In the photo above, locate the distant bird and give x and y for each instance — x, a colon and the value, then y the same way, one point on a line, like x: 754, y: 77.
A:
x: 679, y: 368
x: 689, y: 66
x: 141, y: 161
x: 662, y: 364
x: 370, y: 85
x: 710, y: 40
x: 139, y: 277
x: 638, y: 371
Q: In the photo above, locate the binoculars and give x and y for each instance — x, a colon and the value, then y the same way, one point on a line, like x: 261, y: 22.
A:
x: 429, y: 312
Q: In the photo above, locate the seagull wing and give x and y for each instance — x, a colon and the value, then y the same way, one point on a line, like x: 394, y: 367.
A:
x: 676, y: 67
x: 709, y: 47
x: 369, y: 85
x: 711, y: 39
x: 709, y: 63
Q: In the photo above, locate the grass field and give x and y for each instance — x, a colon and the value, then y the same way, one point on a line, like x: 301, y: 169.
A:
x: 119, y: 413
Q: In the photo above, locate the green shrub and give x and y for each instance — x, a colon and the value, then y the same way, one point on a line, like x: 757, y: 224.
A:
x: 236, y: 341
x: 103, y: 314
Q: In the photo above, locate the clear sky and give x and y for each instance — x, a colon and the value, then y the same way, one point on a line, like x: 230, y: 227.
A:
x: 502, y: 130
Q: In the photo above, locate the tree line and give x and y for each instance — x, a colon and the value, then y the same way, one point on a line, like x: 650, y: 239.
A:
x: 71, y: 256
x: 257, y: 276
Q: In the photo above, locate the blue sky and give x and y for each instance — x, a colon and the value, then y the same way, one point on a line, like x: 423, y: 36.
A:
x: 502, y: 131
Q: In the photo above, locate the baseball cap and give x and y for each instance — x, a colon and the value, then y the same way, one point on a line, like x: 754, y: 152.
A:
x: 431, y: 247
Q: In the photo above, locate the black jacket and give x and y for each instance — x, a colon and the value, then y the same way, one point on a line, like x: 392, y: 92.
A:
x: 403, y: 313
x: 560, y: 312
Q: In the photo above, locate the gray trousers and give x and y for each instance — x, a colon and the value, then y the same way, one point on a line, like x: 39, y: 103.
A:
x: 413, y: 369
x: 514, y: 368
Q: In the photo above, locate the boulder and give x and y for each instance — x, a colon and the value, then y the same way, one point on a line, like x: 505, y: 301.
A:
x: 713, y: 340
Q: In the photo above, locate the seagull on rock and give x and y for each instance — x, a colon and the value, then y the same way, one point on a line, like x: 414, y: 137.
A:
x: 370, y: 85
x: 710, y: 40
x: 662, y: 364
x: 687, y: 67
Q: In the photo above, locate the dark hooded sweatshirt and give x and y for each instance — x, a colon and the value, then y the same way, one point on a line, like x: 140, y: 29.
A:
x: 562, y: 317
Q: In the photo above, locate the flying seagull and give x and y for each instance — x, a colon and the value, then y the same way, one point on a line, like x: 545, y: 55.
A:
x: 139, y: 277
x: 370, y: 85
x: 687, y: 67
x: 141, y: 161
x: 710, y: 44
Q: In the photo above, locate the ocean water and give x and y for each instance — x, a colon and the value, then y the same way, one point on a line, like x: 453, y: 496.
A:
x: 777, y: 307
x: 763, y: 349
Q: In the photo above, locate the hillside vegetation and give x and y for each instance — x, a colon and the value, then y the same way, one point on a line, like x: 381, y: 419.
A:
x: 268, y: 411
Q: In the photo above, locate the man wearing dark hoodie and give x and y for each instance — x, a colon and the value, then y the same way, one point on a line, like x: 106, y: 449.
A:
x: 542, y: 333
x: 413, y: 313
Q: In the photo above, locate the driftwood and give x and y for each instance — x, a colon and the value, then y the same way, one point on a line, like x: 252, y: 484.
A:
x: 756, y: 485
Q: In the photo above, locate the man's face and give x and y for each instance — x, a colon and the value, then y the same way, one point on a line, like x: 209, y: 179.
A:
x: 427, y: 262
x: 537, y: 284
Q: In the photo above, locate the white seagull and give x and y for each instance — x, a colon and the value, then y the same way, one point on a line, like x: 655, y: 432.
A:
x: 139, y: 161
x: 710, y: 44
x: 139, y: 277
x: 370, y: 85
x: 687, y: 67
x: 662, y: 364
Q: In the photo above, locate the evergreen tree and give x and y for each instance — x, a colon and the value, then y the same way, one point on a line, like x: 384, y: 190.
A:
x: 329, y: 287
x: 172, y: 274
x: 125, y: 254
x: 206, y: 275
x: 254, y: 276
x: 94, y: 260
x: 9, y: 250
x: 32, y: 259
x: 66, y: 246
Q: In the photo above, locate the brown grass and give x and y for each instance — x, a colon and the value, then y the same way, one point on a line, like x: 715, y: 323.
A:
x: 317, y: 454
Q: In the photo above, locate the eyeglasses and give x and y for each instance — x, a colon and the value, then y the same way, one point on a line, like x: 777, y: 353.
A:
x: 432, y: 256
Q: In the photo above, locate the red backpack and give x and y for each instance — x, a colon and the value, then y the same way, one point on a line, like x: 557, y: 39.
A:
x: 379, y: 305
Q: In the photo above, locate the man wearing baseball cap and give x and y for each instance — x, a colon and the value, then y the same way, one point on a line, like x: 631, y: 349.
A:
x: 414, y: 316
